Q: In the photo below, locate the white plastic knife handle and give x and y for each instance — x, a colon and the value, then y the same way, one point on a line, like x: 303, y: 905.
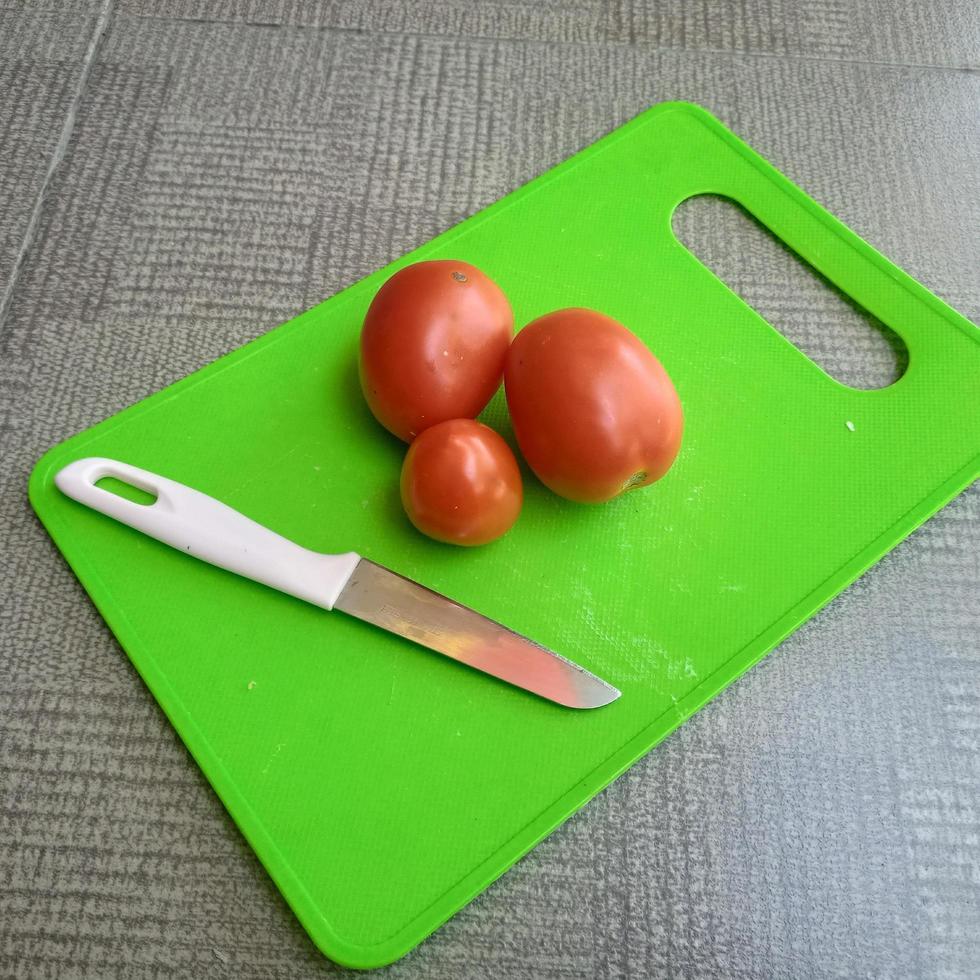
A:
x: 201, y: 526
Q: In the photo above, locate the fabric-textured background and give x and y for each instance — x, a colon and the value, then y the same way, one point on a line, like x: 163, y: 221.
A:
x: 179, y: 177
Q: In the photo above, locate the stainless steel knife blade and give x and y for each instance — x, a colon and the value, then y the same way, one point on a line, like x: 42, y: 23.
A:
x: 384, y: 598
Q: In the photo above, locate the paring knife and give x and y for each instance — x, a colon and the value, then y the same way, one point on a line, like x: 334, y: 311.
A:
x: 207, y: 529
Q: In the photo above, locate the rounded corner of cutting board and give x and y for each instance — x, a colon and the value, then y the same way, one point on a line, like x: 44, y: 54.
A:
x: 354, y: 955
x: 694, y: 111
x: 682, y: 105
x: 40, y: 479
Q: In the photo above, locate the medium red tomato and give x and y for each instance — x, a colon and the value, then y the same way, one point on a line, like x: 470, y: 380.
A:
x: 594, y: 411
x: 433, y: 346
x: 461, y: 484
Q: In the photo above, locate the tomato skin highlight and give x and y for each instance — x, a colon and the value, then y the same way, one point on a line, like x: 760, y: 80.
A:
x: 594, y: 412
x: 461, y: 484
x: 433, y: 346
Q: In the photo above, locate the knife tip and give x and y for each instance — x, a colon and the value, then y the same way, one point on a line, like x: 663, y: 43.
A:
x: 597, y: 696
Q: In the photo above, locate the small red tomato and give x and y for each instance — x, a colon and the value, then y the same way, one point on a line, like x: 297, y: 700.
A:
x: 461, y: 484
x: 594, y: 411
x: 433, y: 346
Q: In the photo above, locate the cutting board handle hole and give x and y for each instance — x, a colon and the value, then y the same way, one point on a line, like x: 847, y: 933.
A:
x: 825, y: 324
x: 126, y: 490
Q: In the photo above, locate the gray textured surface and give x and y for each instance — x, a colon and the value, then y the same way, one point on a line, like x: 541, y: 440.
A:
x: 41, y: 62
x: 227, y: 166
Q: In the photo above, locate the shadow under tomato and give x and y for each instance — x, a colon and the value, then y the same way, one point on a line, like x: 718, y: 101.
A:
x: 352, y: 398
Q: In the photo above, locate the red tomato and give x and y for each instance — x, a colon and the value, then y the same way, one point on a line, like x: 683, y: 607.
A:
x: 433, y: 346
x: 594, y: 411
x: 461, y: 484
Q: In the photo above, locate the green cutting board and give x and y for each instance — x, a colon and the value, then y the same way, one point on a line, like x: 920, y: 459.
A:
x: 383, y: 786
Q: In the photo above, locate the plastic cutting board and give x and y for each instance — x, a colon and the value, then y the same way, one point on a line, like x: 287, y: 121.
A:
x: 384, y: 786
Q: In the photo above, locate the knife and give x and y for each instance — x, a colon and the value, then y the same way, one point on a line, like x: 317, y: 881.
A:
x: 205, y: 528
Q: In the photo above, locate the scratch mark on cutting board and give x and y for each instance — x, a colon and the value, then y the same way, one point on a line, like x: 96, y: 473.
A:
x: 272, y: 758
x: 583, y: 594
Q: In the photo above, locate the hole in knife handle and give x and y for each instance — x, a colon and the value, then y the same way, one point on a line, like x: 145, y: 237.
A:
x: 824, y: 323
x: 126, y: 490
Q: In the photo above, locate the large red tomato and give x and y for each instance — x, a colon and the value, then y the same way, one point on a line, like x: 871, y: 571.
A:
x: 433, y: 346
x: 594, y: 411
x: 461, y: 484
